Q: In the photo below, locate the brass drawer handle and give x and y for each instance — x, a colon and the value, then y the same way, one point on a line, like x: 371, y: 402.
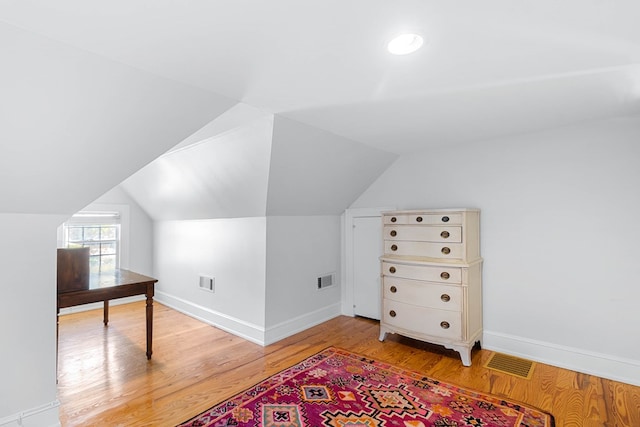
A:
x: 392, y: 269
x: 392, y: 313
x: 394, y: 247
x: 445, y: 275
x: 445, y: 298
x: 419, y: 219
x: 393, y: 289
x: 445, y: 219
x: 393, y: 219
x: 444, y: 234
x: 393, y: 233
x: 446, y: 250
x: 444, y: 325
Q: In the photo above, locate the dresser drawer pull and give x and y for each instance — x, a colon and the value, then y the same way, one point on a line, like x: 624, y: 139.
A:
x: 446, y: 250
x: 393, y: 289
x: 445, y: 219
x: 393, y: 219
x: 394, y: 247
x: 445, y: 298
x: 392, y: 269
x: 419, y: 219
x: 444, y: 325
x: 444, y: 234
x: 444, y: 275
x: 393, y: 233
x: 392, y: 313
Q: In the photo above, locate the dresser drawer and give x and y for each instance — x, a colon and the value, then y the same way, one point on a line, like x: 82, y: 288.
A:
x: 431, y: 233
x: 425, y: 249
x: 428, y: 294
x: 444, y: 274
x: 431, y: 219
x: 423, y: 320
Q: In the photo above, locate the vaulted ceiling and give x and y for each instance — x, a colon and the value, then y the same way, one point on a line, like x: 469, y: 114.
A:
x: 74, y: 124
x: 248, y: 163
x: 323, y: 62
x: 75, y: 73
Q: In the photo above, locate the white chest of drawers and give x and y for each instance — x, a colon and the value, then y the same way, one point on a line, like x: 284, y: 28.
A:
x: 432, y: 277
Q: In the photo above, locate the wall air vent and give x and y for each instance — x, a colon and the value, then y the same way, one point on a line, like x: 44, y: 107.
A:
x: 207, y: 283
x: 326, y: 281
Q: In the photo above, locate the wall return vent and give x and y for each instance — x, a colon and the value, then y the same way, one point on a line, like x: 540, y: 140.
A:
x: 325, y: 281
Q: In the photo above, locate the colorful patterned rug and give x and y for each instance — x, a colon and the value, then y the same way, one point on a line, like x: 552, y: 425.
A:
x: 336, y: 388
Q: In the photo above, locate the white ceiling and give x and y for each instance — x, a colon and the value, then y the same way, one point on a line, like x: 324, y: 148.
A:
x: 489, y: 68
x: 208, y: 179
x: 73, y: 124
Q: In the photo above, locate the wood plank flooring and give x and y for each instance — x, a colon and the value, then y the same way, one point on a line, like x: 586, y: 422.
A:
x: 104, y: 378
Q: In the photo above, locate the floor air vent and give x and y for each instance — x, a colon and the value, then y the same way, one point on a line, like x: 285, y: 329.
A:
x: 511, y: 365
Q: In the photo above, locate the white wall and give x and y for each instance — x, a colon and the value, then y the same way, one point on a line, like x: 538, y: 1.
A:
x: 265, y: 272
x: 27, y: 316
x: 230, y: 250
x: 138, y: 253
x: 299, y: 250
x: 559, y: 235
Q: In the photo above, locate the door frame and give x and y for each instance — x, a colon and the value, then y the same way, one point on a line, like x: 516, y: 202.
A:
x: 349, y: 218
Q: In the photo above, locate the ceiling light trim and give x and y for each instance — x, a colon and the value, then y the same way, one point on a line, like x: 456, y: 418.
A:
x: 405, y: 44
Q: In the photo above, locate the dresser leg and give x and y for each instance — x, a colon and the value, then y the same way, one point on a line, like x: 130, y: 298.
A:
x: 383, y: 335
x: 465, y: 353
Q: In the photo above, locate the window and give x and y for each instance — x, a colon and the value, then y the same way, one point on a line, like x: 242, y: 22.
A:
x: 100, y: 232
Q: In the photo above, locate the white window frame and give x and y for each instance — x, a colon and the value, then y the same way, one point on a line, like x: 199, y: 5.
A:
x: 91, y: 218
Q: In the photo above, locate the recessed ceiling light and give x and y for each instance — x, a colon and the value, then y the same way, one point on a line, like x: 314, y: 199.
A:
x: 404, y: 44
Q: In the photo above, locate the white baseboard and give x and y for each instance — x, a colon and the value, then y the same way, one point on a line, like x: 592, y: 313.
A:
x: 579, y: 360
x: 46, y: 415
x: 293, y: 326
x: 246, y: 330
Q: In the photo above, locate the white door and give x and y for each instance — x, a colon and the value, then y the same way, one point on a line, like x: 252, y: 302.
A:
x: 367, y: 248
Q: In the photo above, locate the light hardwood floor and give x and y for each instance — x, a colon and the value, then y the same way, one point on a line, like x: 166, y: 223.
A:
x: 104, y: 378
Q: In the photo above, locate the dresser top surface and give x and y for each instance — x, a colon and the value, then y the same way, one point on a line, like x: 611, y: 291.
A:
x: 425, y: 211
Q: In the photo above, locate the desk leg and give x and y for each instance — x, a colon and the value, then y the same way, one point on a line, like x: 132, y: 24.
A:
x: 57, y: 338
x: 149, y: 323
x: 106, y: 313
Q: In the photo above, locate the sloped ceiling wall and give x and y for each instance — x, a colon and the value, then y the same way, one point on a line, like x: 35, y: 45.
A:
x: 268, y: 166
x: 314, y: 172
x: 73, y: 124
x: 223, y: 176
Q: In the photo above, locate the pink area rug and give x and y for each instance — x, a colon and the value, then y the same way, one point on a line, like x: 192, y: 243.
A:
x: 336, y: 388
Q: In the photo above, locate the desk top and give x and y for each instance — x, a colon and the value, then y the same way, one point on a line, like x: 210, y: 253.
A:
x: 117, y: 277
x: 107, y: 286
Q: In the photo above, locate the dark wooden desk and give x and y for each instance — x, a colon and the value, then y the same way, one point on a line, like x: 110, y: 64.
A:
x: 113, y: 285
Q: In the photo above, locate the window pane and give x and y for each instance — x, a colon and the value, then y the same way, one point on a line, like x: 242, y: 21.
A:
x: 94, y: 264
x: 75, y: 234
x: 92, y: 233
x: 101, y: 239
x: 108, y: 262
x: 109, y: 233
x: 94, y: 248
x: 108, y: 248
